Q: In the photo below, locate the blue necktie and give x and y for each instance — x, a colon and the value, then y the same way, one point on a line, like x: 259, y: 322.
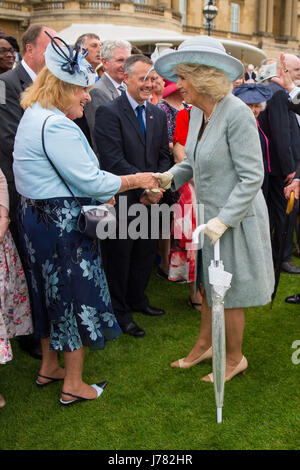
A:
x: 139, y: 110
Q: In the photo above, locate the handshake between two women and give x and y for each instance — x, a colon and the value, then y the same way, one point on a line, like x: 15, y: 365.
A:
x: 154, y: 194
x: 214, y: 227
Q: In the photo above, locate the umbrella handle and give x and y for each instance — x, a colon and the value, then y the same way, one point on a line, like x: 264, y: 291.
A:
x: 196, y: 234
x: 290, y: 203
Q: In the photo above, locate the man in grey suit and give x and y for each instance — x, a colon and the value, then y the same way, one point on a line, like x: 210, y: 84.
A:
x: 12, y: 84
x: 113, y: 55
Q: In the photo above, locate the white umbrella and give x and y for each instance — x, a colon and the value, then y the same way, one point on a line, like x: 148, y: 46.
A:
x: 220, y: 283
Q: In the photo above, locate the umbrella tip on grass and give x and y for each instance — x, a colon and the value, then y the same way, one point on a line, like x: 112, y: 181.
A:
x: 219, y: 415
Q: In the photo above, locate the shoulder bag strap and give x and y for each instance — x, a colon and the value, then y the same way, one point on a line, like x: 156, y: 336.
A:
x: 53, y: 166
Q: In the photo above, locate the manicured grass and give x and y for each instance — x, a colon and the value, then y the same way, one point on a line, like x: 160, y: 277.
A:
x: 149, y: 405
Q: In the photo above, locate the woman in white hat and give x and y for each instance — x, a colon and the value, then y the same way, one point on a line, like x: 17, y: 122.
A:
x: 69, y: 293
x: 223, y: 155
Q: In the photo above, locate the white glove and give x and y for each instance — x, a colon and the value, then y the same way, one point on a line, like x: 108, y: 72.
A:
x: 214, y: 229
x: 165, y: 179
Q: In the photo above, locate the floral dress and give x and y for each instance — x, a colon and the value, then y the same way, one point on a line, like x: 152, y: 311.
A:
x: 171, y: 114
x: 182, y: 257
x: 66, y: 280
x: 15, y: 313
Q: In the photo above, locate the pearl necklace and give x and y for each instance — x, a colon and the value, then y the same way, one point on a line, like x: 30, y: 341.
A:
x: 206, y: 120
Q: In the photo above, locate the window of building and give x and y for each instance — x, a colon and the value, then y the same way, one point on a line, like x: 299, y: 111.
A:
x: 235, y: 17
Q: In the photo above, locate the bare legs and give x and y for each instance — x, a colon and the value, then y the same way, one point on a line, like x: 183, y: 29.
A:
x: 195, y: 299
x: 50, y: 366
x: 73, y: 382
x: 164, y: 250
x: 235, y: 323
x: 234, y: 328
x: 2, y: 401
x: 72, y: 374
x: 203, y: 342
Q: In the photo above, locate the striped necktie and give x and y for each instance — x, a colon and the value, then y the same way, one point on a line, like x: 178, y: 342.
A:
x: 122, y: 89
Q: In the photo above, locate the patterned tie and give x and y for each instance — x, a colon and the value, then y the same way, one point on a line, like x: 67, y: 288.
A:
x: 139, y: 110
x: 122, y: 89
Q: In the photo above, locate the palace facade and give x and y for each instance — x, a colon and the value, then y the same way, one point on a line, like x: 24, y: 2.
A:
x: 272, y: 25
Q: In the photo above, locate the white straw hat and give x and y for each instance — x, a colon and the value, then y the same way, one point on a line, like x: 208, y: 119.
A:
x: 203, y: 50
x: 67, y: 64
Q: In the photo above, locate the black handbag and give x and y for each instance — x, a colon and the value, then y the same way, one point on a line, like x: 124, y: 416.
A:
x: 96, y: 222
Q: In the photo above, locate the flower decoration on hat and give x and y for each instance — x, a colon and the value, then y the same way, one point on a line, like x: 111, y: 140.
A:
x: 68, y: 64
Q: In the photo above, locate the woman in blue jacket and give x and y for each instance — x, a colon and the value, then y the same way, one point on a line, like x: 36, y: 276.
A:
x: 69, y: 292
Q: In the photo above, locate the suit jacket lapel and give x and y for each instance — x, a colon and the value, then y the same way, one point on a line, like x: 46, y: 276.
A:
x: 24, y: 78
x: 110, y: 87
x: 131, y: 116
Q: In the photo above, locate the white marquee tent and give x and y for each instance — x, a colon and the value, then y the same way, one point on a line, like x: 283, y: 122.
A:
x: 143, y: 36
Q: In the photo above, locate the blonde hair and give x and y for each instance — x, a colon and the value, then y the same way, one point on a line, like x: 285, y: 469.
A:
x: 49, y: 92
x: 206, y: 80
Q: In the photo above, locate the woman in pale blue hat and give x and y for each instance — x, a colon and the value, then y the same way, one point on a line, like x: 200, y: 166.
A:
x: 223, y: 155
x: 69, y: 292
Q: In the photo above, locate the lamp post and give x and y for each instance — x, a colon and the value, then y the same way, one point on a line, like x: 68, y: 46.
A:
x: 210, y: 11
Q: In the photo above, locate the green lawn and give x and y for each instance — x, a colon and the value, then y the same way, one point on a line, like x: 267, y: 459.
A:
x: 149, y: 405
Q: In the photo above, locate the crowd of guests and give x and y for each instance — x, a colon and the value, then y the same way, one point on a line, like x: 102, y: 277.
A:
x: 80, y: 127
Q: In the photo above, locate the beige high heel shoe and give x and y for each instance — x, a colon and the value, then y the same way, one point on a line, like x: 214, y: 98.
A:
x: 183, y: 364
x: 239, y: 369
x: 2, y: 401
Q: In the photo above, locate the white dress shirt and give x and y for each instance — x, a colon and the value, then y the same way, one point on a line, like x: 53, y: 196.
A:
x: 134, y: 105
x: 30, y: 72
x: 115, y: 84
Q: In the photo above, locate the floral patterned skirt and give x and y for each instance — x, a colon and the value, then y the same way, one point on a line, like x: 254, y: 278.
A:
x: 69, y: 292
x: 181, y: 259
x: 15, y: 313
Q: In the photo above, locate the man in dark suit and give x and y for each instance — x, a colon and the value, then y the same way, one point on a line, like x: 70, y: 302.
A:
x: 285, y: 78
x: 113, y: 55
x: 12, y: 84
x: 131, y: 136
x: 280, y: 125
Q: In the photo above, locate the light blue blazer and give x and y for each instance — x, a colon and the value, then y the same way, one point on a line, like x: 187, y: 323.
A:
x: 227, y: 168
x: 68, y: 148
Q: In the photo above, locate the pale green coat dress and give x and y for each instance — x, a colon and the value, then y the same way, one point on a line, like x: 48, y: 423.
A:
x: 227, y: 168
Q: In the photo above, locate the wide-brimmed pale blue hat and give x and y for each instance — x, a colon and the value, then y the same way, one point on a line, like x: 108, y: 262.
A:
x: 252, y: 93
x: 67, y: 64
x: 203, y: 50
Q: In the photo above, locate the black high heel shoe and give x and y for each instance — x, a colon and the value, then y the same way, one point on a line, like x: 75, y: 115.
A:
x: 99, y: 387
